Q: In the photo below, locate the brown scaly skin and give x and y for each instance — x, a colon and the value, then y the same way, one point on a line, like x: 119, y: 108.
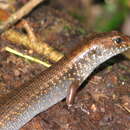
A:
x: 52, y: 85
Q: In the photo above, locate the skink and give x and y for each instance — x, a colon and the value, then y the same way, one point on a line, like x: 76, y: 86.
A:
x: 61, y: 80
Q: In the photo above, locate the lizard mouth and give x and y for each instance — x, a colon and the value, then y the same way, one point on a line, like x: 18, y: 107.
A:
x: 121, y: 50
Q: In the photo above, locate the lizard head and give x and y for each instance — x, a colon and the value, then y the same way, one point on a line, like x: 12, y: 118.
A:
x: 114, y: 41
x: 106, y: 45
x: 102, y: 46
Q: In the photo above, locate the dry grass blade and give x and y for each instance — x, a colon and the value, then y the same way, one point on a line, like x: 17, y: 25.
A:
x: 27, y: 57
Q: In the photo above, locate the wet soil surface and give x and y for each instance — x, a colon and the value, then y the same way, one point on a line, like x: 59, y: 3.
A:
x: 103, y: 101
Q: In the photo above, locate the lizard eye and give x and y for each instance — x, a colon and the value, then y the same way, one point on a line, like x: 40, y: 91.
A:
x: 118, y: 40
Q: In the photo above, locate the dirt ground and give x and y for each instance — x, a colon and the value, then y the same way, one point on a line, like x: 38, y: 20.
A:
x: 103, y: 101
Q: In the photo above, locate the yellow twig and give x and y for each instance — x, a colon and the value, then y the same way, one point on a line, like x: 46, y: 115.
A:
x: 27, y: 57
x: 39, y: 47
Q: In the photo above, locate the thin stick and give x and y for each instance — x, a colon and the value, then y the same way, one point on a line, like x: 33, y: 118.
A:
x: 30, y: 31
x: 27, y: 57
x: 19, y: 14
